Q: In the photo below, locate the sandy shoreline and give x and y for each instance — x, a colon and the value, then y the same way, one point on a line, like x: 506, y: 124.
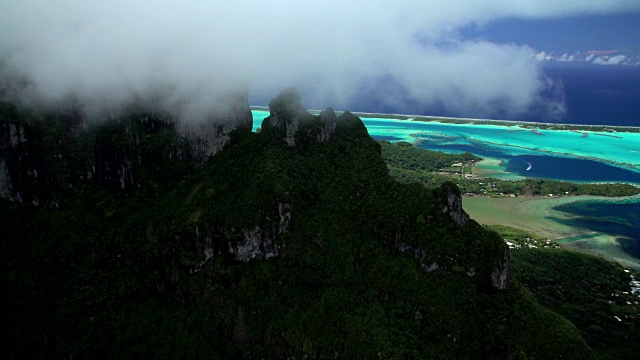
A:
x: 493, y: 168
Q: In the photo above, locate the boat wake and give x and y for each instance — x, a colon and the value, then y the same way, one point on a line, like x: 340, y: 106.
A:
x: 529, y: 167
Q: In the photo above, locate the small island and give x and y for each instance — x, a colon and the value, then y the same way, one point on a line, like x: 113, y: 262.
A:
x: 408, y: 163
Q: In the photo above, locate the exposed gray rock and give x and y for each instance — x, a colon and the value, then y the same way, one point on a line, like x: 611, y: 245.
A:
x: 433, y: 267
x: 417, y: 252
x: 286, y: 111
x: 284, y: 210
x: 501, y: 275
x: 16, y: 135
x: 289, y: 119
x: 5, y: 183
x: 255, y: 246
x: 328, y: 125
x: 291, y: 131
x: 206, y: 138
x: 454, y: 206
x: 113, y: 155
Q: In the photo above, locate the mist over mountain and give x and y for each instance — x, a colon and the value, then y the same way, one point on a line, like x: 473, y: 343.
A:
x: 292, y: 241
x: 141, y: 217
x: 106, y: 53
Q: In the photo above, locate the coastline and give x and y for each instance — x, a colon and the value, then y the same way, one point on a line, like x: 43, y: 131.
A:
x: 537, y: 215
x: 633, y: 167
x: 493, y: 168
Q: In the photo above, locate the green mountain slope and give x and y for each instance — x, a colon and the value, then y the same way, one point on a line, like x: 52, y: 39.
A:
x: 294, y: 242
x: 587, y: 290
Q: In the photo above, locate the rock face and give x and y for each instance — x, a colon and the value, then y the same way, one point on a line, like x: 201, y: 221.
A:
x: 25, y: 166
x: 249, y: 243
x: 289, y: 118
x: 12, y: 136
x: 286, y: 112
x: 501, y: 275
x: 206, y: 138
x: 43, y: 155
x: 454, y: 205
x: 256, y: 244
x: 449, y: 200
x: 328, y: 125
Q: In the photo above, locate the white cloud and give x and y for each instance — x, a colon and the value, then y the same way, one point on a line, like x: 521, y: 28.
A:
x: 613, y: 60
x: 109, y: 50
x: 541, y: 56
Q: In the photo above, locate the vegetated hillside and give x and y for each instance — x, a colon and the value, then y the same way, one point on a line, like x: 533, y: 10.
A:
x: 587, y: 290
x: 289, y: 243
x: 405, y: 156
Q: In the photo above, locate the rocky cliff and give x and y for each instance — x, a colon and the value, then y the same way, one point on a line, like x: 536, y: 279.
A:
x: 43, y: 154
x: 295, y: 125
x: 295, y: 130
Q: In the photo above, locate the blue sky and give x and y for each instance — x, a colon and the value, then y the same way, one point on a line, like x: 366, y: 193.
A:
x: 565, y: 34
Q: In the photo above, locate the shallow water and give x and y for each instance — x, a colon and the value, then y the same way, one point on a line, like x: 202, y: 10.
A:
x: 620, y: 218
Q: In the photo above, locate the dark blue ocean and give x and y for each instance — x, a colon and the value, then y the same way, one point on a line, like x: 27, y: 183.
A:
x: 593, y: 94
x: 598, y: 94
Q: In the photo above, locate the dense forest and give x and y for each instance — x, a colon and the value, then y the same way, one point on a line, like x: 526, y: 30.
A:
x: 588, y: 291
x: 294, y: 242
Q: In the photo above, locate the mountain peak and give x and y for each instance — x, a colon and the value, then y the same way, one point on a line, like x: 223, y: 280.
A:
x: 290, y: 120
x: 287, y: 104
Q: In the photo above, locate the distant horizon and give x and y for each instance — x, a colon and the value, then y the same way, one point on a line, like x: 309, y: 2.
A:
x: 582, y: 93
x: 412, y: 117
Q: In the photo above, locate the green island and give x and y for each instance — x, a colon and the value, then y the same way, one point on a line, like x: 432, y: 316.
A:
x: 408, y: 164
x: 297, y: 241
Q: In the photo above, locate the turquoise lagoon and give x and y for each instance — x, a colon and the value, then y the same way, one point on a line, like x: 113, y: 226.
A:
x: 556, y: 154
x: 618, y: 149
x: 591, y: 156
x: 529, y: 152
x: 562, y: 154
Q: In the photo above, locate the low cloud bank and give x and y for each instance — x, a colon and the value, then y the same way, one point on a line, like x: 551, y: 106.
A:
x: 186, y: 54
